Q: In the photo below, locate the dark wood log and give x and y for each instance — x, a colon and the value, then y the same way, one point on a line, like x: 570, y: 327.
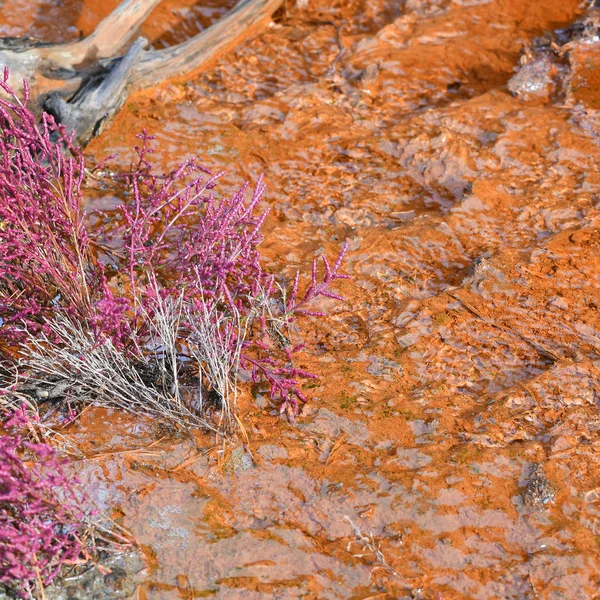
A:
x: 84, y: 84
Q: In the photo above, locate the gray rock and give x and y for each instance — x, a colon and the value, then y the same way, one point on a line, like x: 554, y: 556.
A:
x: 538, y: 491
x: 533, y: 79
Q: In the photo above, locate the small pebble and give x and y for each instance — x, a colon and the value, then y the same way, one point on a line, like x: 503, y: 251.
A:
x: 538, y: 492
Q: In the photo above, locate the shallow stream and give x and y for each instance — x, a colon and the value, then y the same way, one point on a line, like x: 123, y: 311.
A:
x: 456, y: 419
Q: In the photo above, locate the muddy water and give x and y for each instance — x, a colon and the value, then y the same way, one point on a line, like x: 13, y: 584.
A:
x: 456, y: 420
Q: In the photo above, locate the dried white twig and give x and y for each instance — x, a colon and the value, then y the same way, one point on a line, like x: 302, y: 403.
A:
x: 12, y: 400
x: 215, y: 343
x: 369, y: 546
x: 164, y: 325
x: 98, y: 370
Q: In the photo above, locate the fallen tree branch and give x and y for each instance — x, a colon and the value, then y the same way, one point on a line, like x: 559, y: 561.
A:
x: 83, y: 84
x: 107, y: 40
x: 87, y: 111
x: 203, y: 49
x: 48, y: 67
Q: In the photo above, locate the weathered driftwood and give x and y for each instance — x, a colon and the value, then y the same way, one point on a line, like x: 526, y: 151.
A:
x: 98, y: 98
x: 85, y: 83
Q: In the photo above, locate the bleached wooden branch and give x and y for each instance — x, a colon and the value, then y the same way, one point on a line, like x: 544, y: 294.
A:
x: 85, y: 83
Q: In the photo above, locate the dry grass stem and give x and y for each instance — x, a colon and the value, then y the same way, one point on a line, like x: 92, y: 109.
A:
x: 100, y: 372
x: 369, y: 546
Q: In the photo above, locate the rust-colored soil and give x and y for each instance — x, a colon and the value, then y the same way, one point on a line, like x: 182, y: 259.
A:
x: 457, y: 415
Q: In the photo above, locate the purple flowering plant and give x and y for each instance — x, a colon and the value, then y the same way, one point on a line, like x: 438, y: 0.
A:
x: 170, y: 244
x: 42, y: 524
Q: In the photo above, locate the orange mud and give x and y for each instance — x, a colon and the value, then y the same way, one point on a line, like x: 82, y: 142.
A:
x: 457, y: 415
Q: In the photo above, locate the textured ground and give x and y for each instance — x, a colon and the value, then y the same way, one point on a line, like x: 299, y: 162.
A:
x: 457, y: 415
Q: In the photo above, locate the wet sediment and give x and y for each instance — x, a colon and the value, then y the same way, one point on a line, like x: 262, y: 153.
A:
x: 455, y: 145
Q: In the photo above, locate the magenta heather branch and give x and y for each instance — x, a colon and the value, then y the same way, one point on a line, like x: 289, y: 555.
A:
x: 103, y: 292
x: 41, y: 520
